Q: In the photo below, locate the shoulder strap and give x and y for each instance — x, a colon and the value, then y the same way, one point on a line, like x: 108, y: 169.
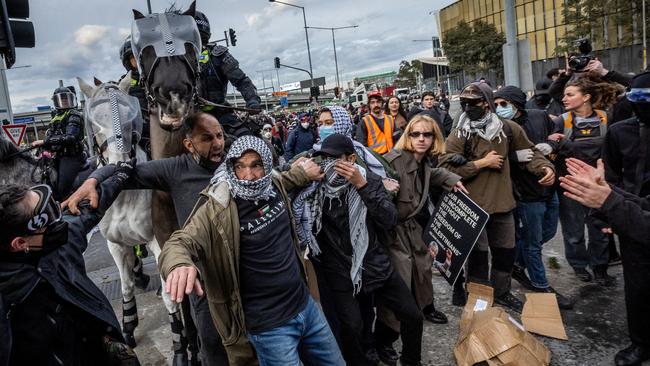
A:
x: 567, y: 118
x: 507, y: 129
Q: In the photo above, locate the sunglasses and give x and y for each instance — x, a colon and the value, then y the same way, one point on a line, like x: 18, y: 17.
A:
x: 503, y: 104
x: 470, y: 102
x: 417, y: 134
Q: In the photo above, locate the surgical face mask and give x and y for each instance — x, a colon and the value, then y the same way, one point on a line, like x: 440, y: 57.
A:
x: 305, y: 125
x: 324, y: 132
x: 507, y: 112
x: 474, y: 112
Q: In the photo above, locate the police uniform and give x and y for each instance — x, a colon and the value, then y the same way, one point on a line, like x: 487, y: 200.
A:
x: 218, y: 67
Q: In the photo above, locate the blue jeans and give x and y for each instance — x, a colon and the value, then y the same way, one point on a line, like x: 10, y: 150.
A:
x: 306, y: 338
x: 536, y: 224
x: 574, y: 217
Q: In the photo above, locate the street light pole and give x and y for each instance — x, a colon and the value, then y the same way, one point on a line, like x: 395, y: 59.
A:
x: 304, y: 19
x: 645, y: 49
x: 336, y: 62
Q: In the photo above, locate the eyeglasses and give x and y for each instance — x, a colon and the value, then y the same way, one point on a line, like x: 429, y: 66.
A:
x: 417, y: 134
x: 503, y: 104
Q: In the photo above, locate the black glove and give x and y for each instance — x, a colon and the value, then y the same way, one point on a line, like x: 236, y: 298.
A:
x: 256, y: 108
x: 457, y: 160
x: 124, y: 170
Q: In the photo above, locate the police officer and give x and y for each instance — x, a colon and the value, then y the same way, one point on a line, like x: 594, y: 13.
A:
x: 64, y: 137
x: 218, y: 67
x: 136, y: 90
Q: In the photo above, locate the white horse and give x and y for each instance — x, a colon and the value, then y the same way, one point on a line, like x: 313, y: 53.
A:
x: 113, y: 124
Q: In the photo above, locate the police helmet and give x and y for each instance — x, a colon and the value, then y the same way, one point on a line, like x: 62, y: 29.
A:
x: 63, y: 98
x: 203, y: 24
x: 125, y: 54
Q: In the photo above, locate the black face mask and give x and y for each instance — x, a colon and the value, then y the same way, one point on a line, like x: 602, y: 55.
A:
x: 54, y: 237
x: 474, y: 112
x: 642, y: 112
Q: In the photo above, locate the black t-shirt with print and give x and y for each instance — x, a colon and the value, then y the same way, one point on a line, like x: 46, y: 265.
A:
x: 272, y: 287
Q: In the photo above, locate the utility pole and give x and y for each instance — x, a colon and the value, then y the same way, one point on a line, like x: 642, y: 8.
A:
x: 510, y: 51
x: 336, y: 62
x: 304, y: 19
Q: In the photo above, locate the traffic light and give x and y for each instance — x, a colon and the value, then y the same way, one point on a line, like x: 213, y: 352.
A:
x: 337, y: 91
x: 277, y: 62
x: 233, y: 37
x: 314, y: 91
x: 15, y: 30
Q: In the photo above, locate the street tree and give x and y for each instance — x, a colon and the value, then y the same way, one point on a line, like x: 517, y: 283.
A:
x: 474, y: 49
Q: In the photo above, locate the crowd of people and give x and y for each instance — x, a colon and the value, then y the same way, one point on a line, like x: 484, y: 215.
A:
x: 303, y: 241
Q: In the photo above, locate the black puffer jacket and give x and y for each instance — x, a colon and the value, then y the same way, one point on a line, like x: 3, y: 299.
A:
x: 49, y: 300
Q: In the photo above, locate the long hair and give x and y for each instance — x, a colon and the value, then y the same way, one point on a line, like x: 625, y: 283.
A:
x: 603, y: 94
x: 400, y: 110
x: 437, y: 146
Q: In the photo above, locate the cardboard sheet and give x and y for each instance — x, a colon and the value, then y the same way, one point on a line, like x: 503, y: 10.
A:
x: 541, y: 315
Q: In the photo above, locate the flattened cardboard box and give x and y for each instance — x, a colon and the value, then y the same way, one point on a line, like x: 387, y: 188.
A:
x: 541, y: 315
x: 490, y: 334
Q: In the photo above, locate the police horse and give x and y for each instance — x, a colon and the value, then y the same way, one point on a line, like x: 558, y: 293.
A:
x: 113, y: 125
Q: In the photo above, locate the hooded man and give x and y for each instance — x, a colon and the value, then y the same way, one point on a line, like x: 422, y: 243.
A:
x: 537, y: 205
x: 301, y: 138
x: 347, y: 216
x: 542, y: 100
x: 625, y: 155
x: 241, y: 232
x: 478, y: 150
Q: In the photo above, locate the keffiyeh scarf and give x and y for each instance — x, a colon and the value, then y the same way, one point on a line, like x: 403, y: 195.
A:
x: 308, y: 209
x: 488, y: 127
x: 249, y: 190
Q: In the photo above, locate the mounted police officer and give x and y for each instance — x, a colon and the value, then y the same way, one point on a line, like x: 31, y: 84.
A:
x: 218, y: 67
x: 64, y: 138
x: 136, y: 90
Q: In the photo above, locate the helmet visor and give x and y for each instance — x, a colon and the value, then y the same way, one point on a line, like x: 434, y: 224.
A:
x: 64, y: 100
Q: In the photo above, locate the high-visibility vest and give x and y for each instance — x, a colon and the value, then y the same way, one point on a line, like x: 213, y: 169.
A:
x: 380, y: 141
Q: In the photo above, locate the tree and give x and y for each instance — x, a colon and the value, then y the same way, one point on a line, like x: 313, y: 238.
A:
x: 407, y: 73
x: 474, y: 49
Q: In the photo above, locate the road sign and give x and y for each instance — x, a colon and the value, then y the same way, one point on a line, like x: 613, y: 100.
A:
x: 284, y: 101
x: 290, y: 86
x: 280, y: 94
x: 304, y: 84
x: 19, y: 120
x: 15, y: 132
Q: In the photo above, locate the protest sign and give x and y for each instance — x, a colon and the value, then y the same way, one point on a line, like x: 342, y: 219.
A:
x: 454, y: 229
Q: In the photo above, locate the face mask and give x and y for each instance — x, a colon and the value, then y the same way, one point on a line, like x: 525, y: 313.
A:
x: 267, y: 135
x: 324, y: 132
x: 305, y: 125
x: 506, y: 112
x: 642, y: 111
x: 54, y: 236
x: 474, y: 112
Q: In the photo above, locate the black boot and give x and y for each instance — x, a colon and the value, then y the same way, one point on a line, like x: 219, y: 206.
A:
x: 562, y: 302
x: 433, y: 315
x: 632, y: 356
x: 519, y: 274
x: 387, y: 354
x: 601, y: 276
x: 582, y: 274
x: 510, y: 301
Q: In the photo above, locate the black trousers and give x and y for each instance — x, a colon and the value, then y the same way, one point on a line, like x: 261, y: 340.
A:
x: 394, y: 295
x: 68, y: 168
x: 636, y: 273
x: 211, y: 349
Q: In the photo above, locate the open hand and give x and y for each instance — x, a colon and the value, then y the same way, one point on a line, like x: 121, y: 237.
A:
x: 183, y: 281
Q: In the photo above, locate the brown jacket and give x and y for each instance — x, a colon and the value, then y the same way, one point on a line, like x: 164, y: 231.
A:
x: 491, y: 188
x: 408, y: 252
x: 211, y: 236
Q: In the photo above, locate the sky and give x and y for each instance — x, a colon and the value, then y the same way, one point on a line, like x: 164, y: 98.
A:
x: 83, y: 37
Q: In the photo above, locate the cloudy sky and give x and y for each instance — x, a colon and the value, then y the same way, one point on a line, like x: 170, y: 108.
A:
x: 82, y: 38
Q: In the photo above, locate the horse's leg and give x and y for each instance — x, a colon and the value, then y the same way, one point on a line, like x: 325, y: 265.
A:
x: 175, y: 318
x: 124, y: 259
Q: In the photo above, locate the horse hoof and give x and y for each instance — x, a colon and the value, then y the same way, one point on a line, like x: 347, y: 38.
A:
x: 130, y: 339
x: 142, y: 281
x: 180, y: 359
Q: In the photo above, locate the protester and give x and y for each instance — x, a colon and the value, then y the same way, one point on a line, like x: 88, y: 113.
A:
x: 376, y: 129
x: 593, y: 70
x: 444, y: 101
x: 554, y: 73
x: 542, y: 100
x: 536, y: 214
x: 301, y: 139
x: 625, y: 158
x: 275, y: 143
x: 52, y: 313
x: 264, y: 296
x: 409, y: 253
x: 478, y: 150
x: 280, y: 130
x: 348, y: 215
x: 395, y: 109
x: 584, y: 133
x: 445, y: 122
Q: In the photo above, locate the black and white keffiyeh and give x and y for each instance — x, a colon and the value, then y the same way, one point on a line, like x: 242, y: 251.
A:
x: 308, y: 209
x: 249, y: 190
x: 488, y: 127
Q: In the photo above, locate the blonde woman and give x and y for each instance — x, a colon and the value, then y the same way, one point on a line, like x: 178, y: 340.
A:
x: 421, y: 141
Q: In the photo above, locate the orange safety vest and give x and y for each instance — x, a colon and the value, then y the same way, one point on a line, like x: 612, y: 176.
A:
x: 380, y: 141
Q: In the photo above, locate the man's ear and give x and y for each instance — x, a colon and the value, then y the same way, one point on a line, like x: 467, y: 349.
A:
x: 19, y: 244
x: 352, y: 158
x: 188, y: 145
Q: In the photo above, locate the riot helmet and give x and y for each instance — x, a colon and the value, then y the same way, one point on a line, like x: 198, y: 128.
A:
x: 63, y: 98
x: 126, y: 53
x: 203, y: 24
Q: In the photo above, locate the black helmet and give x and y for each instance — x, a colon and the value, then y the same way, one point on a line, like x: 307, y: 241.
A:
x: 203, y: 24
x: 125, y: 53
x: 63, y: 98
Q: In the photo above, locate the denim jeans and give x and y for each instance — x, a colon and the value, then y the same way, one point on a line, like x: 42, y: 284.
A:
x: 536, y: 224
x: 306, y: 338
x: 574, y: 217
